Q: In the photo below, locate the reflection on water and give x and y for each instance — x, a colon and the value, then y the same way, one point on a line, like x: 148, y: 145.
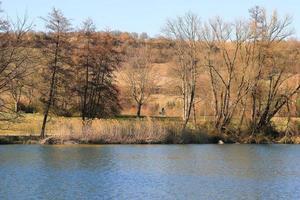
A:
x: 150, y: 172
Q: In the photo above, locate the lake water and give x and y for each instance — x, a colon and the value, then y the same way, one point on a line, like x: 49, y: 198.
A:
x: 150, y: 172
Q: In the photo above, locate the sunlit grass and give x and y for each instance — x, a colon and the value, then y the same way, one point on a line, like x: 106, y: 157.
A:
x: 123, y: 129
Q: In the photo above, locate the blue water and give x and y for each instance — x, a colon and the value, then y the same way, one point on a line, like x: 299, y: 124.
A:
x: 150, y: 172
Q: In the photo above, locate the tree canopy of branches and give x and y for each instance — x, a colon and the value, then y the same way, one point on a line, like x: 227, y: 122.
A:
x: 185, y: 31
x: 246, y: 62
x: 140, y: 78
x: 224, y: 48
x: 269, y: 61
x: 14, y: 60
x: 97, y: 58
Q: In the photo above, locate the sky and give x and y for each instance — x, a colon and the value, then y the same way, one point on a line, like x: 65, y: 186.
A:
x: 145, y: 16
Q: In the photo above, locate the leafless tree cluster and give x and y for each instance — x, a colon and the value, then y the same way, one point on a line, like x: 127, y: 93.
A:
x: 246, y: 63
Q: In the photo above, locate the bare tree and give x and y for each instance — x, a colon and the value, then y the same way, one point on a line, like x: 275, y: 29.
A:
x: 185, y: 30
x: 14, y: 57
x: 56, y: 42
x: 25, y: 60
x: 225, y: 45
x: 269, y: 66
x: 140, y: 78
x: 88, y: 29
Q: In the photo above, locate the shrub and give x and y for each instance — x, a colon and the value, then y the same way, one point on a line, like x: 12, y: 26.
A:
x: 27, y: 108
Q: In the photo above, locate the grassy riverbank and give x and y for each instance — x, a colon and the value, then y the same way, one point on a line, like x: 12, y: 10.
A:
x: 130, y: 130
x: 122, y: 130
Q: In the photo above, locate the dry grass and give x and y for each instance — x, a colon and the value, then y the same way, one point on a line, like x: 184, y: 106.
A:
x: 137, y: 131
x: 29, y: 124
x: 110, y: 131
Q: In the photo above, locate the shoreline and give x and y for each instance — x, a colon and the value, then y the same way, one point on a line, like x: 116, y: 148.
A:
x: 140, y: 131
x: 52, y: 140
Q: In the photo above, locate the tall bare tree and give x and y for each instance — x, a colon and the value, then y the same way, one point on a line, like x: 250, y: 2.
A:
x: 185, y: 30
x: 56, y: 44
x: 224, y: 53
x: 269, y: 66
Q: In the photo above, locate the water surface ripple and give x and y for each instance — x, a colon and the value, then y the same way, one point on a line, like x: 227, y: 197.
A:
x: 150, y: 172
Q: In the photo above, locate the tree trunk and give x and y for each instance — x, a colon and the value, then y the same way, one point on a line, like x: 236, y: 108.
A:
x: 189, y: 109
x: 51, y: 93
x: 139, y: 108
x: 48, y: 103
x: 194, y: 111
x: 85, y: 93
x: 86, y: 85
x: 16, y: 108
